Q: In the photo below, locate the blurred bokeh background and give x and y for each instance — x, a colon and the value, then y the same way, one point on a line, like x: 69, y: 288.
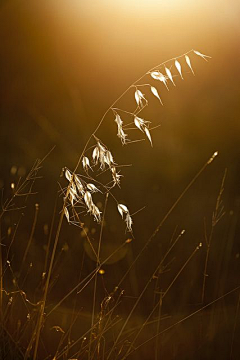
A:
x: 62, y: 65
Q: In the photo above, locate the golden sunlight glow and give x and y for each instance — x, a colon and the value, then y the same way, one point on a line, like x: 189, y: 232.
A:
x: 149, y: 5
x: 133, y: 7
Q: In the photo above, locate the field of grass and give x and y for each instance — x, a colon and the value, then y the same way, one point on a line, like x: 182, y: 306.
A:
x: 86, y: 283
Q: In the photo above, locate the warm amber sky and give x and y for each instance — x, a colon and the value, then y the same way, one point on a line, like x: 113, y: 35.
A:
x: 87, y: 52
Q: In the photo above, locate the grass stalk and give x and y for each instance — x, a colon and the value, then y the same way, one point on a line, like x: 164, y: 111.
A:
x: 31, y: 234
x: 216, y: 217
x: 97, y: 265
x: 184, y: 319
x: 161, y: 300
x: 234, y: 327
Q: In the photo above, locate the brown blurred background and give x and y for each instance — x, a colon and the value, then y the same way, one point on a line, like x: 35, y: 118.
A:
x: 64, y: 62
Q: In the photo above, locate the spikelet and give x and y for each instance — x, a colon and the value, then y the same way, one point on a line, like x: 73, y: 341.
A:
x: 102, y: 152
x: 157, y: 75
x: 123, y: 210
x: 95, y: 154
x: 88, y: 199
x: 129, y: 222
x: 66, y: 213
x: 92, y: 188
x: 79, y: 185
x: 179, y: 68
x: 72, y: 196
x: 212, y: 157
x: 139, y: 97
x: 96, y: 213
x: 116, y: 176
x: 202, y: 55
x: 147, y: 132
x: 120, y: 133
x: 189, y: 63
x: 142, y: 125
x: 155, y: 93
x: 92, y: 208
x: 73, y: 187
x: 108, y: 158
x: 169, y: 74
x: 86, y: 163
x: 68, y: 175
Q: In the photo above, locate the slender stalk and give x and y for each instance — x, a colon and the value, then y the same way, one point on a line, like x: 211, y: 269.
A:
x: 180, y: 271
x: 42, y: 307
x: 119, y: 98
x: 96, y: 276
x: 13, y: 236
x: 217, y: 215
x: 50, y: 236
x: 167, y: 215
x: 31, y: 177
x: 234, y: 327
x: 143, y: 291
x: 31, y: 234
x: 205, y: 270
x: 89, y: 276
x: 184, y: 319
x: 161, y: 299
x: 157, y: 290
x: 36, y: 334
x: 157, y: 352
x: 89, y: 332
x: 85, y: 233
